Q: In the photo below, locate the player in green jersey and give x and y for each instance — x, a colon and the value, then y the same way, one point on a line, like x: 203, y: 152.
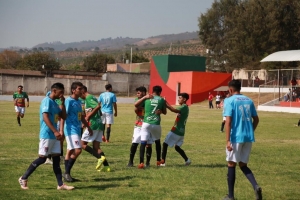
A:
x: 151, y: 129
x: 93, y: 116
x: 19, y: 103
x: 176, y: 136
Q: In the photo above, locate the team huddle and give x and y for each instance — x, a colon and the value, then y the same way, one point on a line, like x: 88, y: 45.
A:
x: 81, y: 119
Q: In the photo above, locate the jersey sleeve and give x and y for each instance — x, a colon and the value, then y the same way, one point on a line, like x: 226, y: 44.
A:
x: 14, y: 96
x: 25, y: 95
x: 114, y: 98
x: 253, y: 110
x: 46, y: 106
x: 67, y: 105
x: 227, y: 109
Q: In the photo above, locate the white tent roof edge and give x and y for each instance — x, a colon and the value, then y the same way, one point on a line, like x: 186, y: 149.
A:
x: 283, y: 56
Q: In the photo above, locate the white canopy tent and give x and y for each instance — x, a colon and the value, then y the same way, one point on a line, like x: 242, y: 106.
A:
x: 283, y: 56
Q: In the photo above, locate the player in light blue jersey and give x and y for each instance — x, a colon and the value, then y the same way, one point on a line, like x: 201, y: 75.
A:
x: 241, y: 122
x: 49, y: 136
x: 108, y: 103
x: 72, y: 128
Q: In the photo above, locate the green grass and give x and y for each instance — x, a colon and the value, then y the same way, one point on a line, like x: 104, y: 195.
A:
x: 274, y: 160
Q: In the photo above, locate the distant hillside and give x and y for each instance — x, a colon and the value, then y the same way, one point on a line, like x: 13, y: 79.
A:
x: 120, y: 42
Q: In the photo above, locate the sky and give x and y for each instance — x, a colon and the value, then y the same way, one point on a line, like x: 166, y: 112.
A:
x: 26, y: 23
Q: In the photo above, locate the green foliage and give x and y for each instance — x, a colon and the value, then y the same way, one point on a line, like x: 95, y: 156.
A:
x: 9, y: 59
x: 35, y: 61
x: 97, y: 62
x: 240, y: 33
x: 136, y: 58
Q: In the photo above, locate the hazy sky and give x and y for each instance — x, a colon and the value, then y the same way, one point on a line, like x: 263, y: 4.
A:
x: 26, y: 23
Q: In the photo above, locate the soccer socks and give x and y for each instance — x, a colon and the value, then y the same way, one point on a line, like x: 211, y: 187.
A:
x: 19, y: 120
x: 164, y: 151
x: 33, y: 166
x: 299, y: 122
x: 148, y: 153
x: 132, y: 151
x: 158, y: 149
x: 57, y: 170
x: 231, y: 181
x: 91, y: 151
x: 105, y: 163
x: 248, y: 173
x: 108, y: 133
x: 142, y: 151
x: 70, y: 165
x: 66, y: 164
x: 222, y: 126
x: 181, y: 152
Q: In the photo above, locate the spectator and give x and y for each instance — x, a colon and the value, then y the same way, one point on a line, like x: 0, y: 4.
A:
x: 256, y: 81
x: 210, y: 100
x: 294, y: 83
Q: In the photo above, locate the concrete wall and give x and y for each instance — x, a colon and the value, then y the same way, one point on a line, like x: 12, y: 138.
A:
x: 36, y: 85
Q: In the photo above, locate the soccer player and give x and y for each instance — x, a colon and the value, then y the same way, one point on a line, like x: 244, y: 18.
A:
x: 241, y: 122
x: 108, y: 102
x: 19, y: 103
x: 176, y: 135
x: 151, y: 129
x: 210, y: 100
x: 218, y: 100
x: 92, y: 110
x: 136, y: 138
x: 72, y: 128
x: 49, y: 136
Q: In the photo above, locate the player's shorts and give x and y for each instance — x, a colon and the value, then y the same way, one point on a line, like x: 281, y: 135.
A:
x: 218, y: 102
x: 97, y: 136
x: 107, y: 118
x: 20, y: 109
x: 49, y: 146
x: 73, y: 142
x: 150, y: 132
x: 224, y: 118
x: 240, y: 152
x: 173, y: 139
x: 136, y: 138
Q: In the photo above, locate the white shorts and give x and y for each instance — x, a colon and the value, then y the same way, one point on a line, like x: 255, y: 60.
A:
x: 73, y: 142
x: 107, y: 118
x: 150, y: 132
x: 97, y: 136
x: 49, y: 146
x: 136, y: 138
x: 173, y: 139
x: 224, y: 118
x: 20, y: 109
x: 240, y: 152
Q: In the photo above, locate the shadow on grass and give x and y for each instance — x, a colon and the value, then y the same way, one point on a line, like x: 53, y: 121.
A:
x: 114, y: 178
x: 100, y: 187
x: 216, y: 165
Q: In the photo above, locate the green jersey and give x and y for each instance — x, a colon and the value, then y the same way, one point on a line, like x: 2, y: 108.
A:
x: 140, y: 114
x: 179, y: 126
x: 95, y: 121
x: 82, y: 105
x: 20, y: 98
x: 151, y: 106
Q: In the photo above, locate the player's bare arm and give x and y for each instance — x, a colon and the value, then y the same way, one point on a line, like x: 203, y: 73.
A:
x: 138, y: 102
x: 63, y: 113
x: 172, y: 109
x: 27, y: 102
x: 255, y: 122
x: 93, y: 112
x: 116, y: 109
x: 86, y: 124
x: 50, y: 125
x: 228, y: 129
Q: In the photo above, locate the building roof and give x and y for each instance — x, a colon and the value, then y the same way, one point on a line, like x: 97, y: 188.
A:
x: 283, y: 56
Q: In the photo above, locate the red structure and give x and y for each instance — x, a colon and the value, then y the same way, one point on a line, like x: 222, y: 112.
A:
x: 176, y: 74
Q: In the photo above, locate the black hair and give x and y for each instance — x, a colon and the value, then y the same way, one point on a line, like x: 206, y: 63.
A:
x: 84, y: 88
x: 235, y: 84
x: 108, y: 86
x: 58, y: 86
x: 184, y: 95
x: 157, y: 89
x: 21, y: 86
x: 141, y: 89
x: 75, y: 85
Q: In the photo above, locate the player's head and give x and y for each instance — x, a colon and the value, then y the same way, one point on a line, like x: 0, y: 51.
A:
x: 84, y: 92
x: 234, y: 86
x: 108, y: 87
x: 20, y: 88
x: 141, y: 91
x: 76, y: 89
x: 182, y: 98
x: 157, y: 89
x: 58, y: 90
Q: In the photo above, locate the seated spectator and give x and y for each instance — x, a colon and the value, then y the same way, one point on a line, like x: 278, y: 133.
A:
x: 287, y: 96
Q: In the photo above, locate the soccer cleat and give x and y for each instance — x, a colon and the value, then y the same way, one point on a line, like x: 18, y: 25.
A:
x: 100, y: 162
x: 188, y: 162
x: 48, y: 161
x: 228, y: 198
x: 162, y: 165
x: 258, y: 192
x: 160, y: 162
x: 68, y: 177
x: 23, y: 183
x: 130, y: 164
x: 20, y: 124
x: 141, y: 166
x: 105, y: 169
x: 103, y: 139
x: 65, y: 187
x: 147, y: 165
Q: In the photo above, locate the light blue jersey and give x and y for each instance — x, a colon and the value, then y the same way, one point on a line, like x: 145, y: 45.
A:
x: 73, y: 121
x: 48, y: 106
x: 241, y: 110
x: 107, y: 99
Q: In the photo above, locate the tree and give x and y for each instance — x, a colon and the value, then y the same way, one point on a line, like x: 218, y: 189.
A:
x: 136, y: 58
x: 97, y: 49
x: 35, y: 61
x: 9, y: 59
x: 97, y: 62
x: 239, y: 33
x: 69, y: 49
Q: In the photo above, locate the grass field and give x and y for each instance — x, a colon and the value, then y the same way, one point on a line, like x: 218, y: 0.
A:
x: 274, y: 160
